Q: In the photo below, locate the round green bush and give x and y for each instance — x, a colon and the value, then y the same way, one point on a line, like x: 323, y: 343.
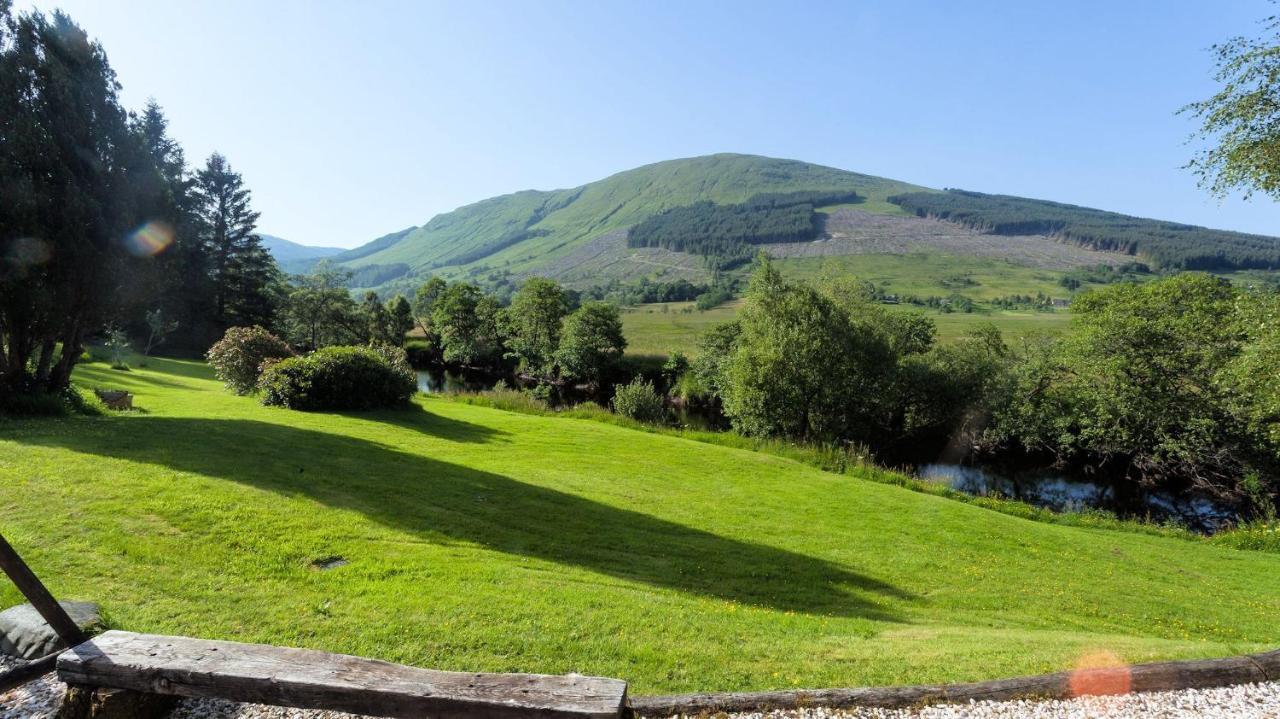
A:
x: 639, y: 401
x: 340, y: 378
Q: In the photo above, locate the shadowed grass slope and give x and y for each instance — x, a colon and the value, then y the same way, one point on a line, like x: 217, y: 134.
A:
x: 485, y: 540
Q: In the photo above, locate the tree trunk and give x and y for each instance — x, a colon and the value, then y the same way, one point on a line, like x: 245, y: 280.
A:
x: 46, y: 360
x: 60, y: 378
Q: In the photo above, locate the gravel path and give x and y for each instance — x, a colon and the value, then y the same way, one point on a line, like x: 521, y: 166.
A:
x: 1247, y: 701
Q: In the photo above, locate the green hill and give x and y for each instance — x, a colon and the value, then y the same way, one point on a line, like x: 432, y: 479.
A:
x: 478, y: 539
x: 660, y: 221
x: 541, y: 231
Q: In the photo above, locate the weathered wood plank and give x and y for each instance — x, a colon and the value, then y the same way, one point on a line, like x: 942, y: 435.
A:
x: 30, y: 586
x: 310, y: 679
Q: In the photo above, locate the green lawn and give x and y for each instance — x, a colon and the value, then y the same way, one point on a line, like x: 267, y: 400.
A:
x: 486, y: 540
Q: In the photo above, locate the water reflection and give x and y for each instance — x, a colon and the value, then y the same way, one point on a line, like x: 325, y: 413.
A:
x: 1072, y: 494
x: 443, y: 381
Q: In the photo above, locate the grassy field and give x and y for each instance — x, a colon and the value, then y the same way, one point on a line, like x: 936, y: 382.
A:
x: 485, y: 540
x: 925, y: 274
x: 665, y: 327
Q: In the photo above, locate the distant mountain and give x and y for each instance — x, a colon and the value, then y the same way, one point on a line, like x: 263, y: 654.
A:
x: 580, y: 236
x: 294, y: 257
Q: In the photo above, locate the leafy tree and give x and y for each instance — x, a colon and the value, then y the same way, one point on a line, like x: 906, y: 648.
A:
x: 319, y: 311
x: 801, y: 368
x: 592, y: 343
x: 399, y: 319
x: 245, y: 278
x: 377, y: 321
x: 66, y: 159
x: 715, y: 348
x: 534, y: 320
x: 424, y: 301
x: 467, y: 323
x: 1136, y: 385
x: 1242, y: 120
x: 158, y: 327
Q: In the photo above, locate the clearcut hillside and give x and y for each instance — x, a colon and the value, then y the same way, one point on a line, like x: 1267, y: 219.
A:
x: 579, y: 233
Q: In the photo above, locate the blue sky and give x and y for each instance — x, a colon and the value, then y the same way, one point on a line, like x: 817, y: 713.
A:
x: 350, y: 120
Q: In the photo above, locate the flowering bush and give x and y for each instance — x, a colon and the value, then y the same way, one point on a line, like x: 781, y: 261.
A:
x: 238, y: 358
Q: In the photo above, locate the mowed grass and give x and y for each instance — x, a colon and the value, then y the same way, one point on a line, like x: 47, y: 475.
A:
x: 485, y: 540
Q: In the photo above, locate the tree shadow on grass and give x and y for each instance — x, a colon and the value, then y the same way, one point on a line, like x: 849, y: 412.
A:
x: 439, y: 500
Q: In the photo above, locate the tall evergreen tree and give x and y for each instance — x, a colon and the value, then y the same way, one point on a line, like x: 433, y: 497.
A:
x: 245, y: 278
x: 68, y: 193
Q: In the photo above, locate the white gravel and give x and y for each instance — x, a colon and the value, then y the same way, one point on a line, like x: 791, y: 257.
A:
x: 41, y: 698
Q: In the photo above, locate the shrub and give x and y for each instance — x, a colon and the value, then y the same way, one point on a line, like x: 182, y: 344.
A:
x: 422, y: 352
x: 237, y: 359
x: 638, y: 401
x: 72, y: 400
x: 1259, y: 536
x: 340, y: 378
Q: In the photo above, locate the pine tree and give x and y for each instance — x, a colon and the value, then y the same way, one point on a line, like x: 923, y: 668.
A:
x: 246, y: 281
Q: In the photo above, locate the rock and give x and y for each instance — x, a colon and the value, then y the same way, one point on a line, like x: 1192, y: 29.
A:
x: 24, y: 633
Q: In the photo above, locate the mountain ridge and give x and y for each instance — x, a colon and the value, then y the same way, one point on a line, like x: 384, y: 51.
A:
x: 579, y: 235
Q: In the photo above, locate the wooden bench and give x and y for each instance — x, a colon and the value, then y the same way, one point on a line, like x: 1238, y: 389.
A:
x: 307, y: 679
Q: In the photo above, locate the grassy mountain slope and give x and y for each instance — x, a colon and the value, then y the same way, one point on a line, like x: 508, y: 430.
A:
x: 555, y: 223
x: 485, y: 540
x: 284, y: 250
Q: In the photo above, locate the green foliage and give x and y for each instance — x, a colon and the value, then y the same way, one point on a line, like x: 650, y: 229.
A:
x: 238, y: 357
x: 1240, y: 121
x: 399, y: 319
x: 638, y: 400
x: 713, y: 298
x: 117, y: 346
x: 798, y: 361
x: 705, y: 228
x: 467, y: 322
x: 592, y: 343
x: 70, y: 400
x: 675, y: 366
x: 358, y: 378
x: 1138, y: 387
x: 422, y: 353
x: 68, y: 161
x: 1260, y: 536
x: 424, y: 301
x: 320, y: 311
x: 533, y: 324
x: 1167, y: 243
x: 247, y: 286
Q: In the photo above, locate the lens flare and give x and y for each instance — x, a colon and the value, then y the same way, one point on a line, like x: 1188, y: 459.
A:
x: 150, y: 239
x: 1099, y: 672
x: 27, y: 251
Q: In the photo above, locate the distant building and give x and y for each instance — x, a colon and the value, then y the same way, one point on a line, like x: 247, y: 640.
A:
x: 1059, y: 302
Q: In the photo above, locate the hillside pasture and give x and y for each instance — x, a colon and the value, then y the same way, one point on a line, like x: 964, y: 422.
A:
x: 481, y: 540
